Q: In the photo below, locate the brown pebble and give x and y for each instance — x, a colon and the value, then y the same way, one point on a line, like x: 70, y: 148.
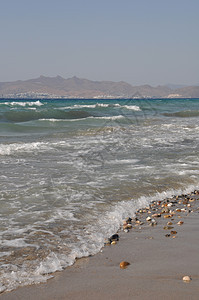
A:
x: 169, y: 223
x: 167, y: 227
x: 167, y: 216
x: 173, y: 232
x: 124, y: 264
x: 180, y: 223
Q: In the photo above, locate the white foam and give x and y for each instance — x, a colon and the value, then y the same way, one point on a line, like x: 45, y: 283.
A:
x: 27, y: 103
x: 105, y: 105
x: 19, y: 147
x: 88, y: 243
x: 20, y: 242
x: 109, y: 117
x: 132, y: 107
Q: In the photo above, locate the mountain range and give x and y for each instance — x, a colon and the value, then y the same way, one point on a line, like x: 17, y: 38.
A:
x: 59, y: 87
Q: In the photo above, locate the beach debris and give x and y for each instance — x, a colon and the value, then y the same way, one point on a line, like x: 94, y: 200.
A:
x: 153, y: 223
x: 173, y: 232
x: 167, y: 235
x: 167, y: 227
x: 128, y: 221
x: 180, y: 223
x: 165, y: 210
x: 186, y: 278
x: 169, y: 223
x: 191, y: 200
x: 156, y: 215
x: 167, y: 216
x: 114, y: 237
x: 124, y: 264
x: 106, y: 243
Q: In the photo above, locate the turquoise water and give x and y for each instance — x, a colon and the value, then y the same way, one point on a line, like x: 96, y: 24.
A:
x: 71, y: 170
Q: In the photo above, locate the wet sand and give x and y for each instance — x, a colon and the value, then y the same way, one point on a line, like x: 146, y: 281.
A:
x: 157, y: 263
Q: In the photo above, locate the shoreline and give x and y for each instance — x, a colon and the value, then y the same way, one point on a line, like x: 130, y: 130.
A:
x: 159, y: 255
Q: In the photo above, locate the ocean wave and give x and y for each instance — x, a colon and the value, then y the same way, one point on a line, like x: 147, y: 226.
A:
x: 25, y: 116
x: 74, y: 120
x: 28, y: 147
x: 103, y: 105
x: 183, y: 114
x: 90, y: 243
x: 21, y: 147
x: 23, y: 104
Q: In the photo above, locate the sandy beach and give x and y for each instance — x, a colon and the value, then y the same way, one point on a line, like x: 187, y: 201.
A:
x: 159, y: 256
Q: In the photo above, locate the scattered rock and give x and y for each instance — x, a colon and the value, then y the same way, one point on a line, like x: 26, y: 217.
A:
x: 169, y: 223
x: 113, y: 243
x: 173, y: 232
x: 165, y: 210
x: 148, y: 218
x: 128, y: 221
x: 114, y: 237
x: 124, y: 264
x: 167, y: 235
x: 167, y: 227
x: 186, y: 278
x: 180, y: 223
x: 167, y: 216
x: 156, y: 215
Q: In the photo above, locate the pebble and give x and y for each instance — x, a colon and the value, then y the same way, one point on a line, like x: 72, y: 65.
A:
x: 167, y: 216
x: 169, y: 223
x: 186, y: 278
x: 173, y: 232
x: 148, y: 218
x: 124, y: 264
x: 156, y: 215
x: 180, y: 223
x: 167, y: 227
x: 114, y: 237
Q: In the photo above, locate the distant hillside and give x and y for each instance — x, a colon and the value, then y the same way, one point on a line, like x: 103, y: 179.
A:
x: 56, y: 87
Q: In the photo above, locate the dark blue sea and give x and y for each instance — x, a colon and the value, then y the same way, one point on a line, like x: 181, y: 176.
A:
x: 72, y: 170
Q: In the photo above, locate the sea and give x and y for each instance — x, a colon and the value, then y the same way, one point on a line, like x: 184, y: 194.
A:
x: 71, y: 170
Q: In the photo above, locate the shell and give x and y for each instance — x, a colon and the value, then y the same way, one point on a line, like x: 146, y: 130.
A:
x: 180, y: 223
x: 124, y: 264
x: 186, y: 278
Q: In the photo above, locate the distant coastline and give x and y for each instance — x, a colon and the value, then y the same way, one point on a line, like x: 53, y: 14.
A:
x: 77, y: 88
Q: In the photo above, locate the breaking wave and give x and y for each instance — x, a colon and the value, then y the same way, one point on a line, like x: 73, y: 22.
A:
x: 183, y: 114
x: 25, y: 116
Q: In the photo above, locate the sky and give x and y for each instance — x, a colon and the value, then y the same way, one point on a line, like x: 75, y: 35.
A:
x: 138, y: 41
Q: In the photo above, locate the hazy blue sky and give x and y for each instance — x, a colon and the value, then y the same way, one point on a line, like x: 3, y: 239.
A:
x: 138, y: 41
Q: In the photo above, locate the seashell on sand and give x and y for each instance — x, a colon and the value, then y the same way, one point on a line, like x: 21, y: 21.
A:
x: 186, y: 278
x: 124, y: 264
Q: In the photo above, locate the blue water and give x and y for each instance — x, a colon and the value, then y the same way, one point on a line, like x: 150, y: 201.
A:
x: 71, y: 170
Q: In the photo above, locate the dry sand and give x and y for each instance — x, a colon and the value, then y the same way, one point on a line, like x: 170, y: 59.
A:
x: 157, y: 265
